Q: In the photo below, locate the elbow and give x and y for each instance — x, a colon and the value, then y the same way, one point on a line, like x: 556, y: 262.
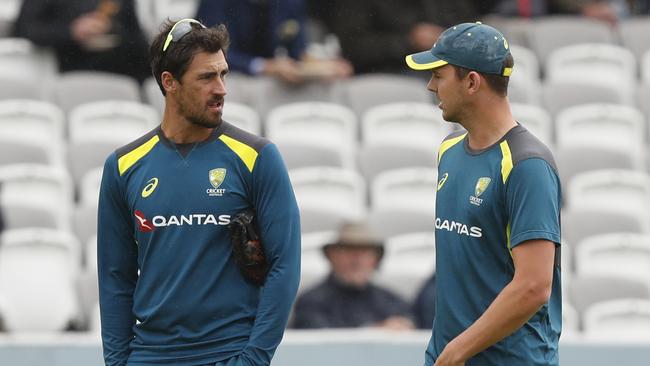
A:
x: 537, y: 293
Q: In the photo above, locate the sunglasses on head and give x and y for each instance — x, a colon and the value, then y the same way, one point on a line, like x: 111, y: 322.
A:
x: 179, y: 30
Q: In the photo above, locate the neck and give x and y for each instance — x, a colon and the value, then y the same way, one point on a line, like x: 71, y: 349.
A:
x: 179, y: 130
x: 488, y: 123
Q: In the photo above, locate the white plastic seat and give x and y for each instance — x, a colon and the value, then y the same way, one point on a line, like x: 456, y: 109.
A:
x: 299, y: 154
x: 315, y: 266
x: 90, y: 184
x: 550, y: 33
x: 243, y: 117
x: 72, y: 89
x: 609, y: 125
x: 21, y: 60
x: 321, y: 124
x: 267, y: 93
x: 586, y: 291
x: 21, y: 149
x: 180, y: 9
x: 409, y: 188
x: 627, y: 319
x: 616, y: 190
x: 330, y: 189
x: 392, y: 221
x: 575, y: 159
x: 645, y: 67
x: 408, y: 261
x: 597, y: 64
x: 558, y: 95
x: 615, y: 254
x: 363, y: 92
x: 113, y: 121
x: 38, y: 268
x: 570, y: 319
x: 535, y: 119
x: 634, y: 34
x: 409, y: 124
x: 38, y: 188
x: 376, y: 158
x: 526, y: 61
x: 32, y: 119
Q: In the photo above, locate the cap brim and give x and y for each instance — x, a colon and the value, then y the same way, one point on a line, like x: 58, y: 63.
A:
x: 424, y: 61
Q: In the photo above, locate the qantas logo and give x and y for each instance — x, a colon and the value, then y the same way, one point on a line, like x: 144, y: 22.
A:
x: 145, y: 226
x: 459, y: 228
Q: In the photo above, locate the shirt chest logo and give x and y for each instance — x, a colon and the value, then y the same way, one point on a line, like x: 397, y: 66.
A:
x: 481, y: 186
x: 442, y: 180
x: 150, y: 187
x: 216, y: 178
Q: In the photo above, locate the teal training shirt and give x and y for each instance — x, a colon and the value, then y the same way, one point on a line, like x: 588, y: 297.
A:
x: 170, y: 291
x: 488, y: 202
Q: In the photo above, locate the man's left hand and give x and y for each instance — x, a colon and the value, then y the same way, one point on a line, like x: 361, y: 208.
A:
x: 450, y: 356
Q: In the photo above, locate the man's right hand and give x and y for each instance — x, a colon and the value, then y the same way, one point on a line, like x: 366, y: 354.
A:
x: 285, y: 69
x: 88, y: 26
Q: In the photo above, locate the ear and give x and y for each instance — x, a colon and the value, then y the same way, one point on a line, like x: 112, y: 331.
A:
x: 168, y: 82
x: 473, y: 82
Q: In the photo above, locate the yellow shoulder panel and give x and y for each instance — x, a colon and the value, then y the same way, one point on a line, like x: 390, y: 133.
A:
x: 447, y: 144
x: 506, y: 161
x: 127, y: 160
x: 246, y: 153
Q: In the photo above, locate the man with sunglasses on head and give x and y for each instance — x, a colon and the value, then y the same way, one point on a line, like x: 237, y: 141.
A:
x: 171, y: 292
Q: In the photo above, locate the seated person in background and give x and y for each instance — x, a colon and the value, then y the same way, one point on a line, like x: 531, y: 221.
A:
x: 100, y: 35
x: 424, y: 308
x: 268, y: 38
x: 347, y: 299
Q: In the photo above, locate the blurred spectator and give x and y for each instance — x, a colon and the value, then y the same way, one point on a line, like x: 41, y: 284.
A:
x: 605, y: 10
x: 268, y: 38
x: 375, y: 35
x: 101, y: 35
x: 347, y: 299
x: 424, y: 307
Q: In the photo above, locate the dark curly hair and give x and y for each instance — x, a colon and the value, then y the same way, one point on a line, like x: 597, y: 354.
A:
x: 180, y: 53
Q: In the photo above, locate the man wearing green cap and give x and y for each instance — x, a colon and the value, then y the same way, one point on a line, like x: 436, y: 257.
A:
x: 498, y: 298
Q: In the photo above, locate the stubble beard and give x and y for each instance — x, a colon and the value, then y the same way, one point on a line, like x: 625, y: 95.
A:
x: 196, y: 117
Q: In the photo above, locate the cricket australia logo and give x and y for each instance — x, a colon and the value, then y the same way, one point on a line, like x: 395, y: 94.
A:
x: 216, y: 177
x: 481, y: 186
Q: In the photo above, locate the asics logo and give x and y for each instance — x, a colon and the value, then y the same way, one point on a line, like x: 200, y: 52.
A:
x: 150, y: 187
x: 442, y: 180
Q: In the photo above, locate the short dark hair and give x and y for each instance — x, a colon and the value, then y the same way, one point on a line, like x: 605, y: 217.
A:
x: 180, y: 53
x: 498, y: 83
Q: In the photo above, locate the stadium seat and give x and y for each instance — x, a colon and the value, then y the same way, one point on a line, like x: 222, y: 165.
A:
x: 315, y: 219
x: 407, y: 188
x: 379, y: 157
x: 578, y: 224
x: 84, y: 222
x: 570, y: 319
x: 642, y: 98
x: 604, y: 125
x: 645, y: 68
x: 621, y: 319
x: 87, y: 283
x: 550, y: 33
x: 409, y: 259
x: 79, y: 87
x: 243, y: 117
x: 326, y: 125
x: 388, y: 221
x: 21, y: 89
x: 363, y: 92
x: 298, y: 154
x: 573, y: 160
x: 595, y: 64
x: 561, y: 94
x: 176, y: 9
x: 33, y: 192
x: 21, y: 60
x: 153, y: 96
x: 615, y: 254
x: 84, y: 156
x: 515, y: 29
x: 32, y: 119
x: 21, y: 149
x: 536, y: 120
x: 614, y: 189
x: 586, y: 291
x: 330, y: 189
x: 634, y: 34
x: 405, y: 124
x: 115, y: 121
x: 268, y: 93
x: 527, y: 65
x: 38, y: 268
x: 314, y: 265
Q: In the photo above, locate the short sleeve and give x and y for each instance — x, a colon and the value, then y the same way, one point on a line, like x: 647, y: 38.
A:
x: 533, y: 201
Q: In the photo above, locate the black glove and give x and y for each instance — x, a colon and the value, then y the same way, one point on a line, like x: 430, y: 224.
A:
x: 247, y: 247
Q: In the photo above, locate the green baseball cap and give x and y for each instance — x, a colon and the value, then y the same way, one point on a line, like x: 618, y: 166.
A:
x: 474, y: 46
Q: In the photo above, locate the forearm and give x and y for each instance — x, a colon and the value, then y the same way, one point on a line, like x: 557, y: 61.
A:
x: 511, y: 309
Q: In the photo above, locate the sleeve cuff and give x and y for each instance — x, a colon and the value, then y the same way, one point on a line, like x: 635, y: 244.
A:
x: 534, y: 235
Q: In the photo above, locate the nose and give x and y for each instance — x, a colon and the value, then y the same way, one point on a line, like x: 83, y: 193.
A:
x: 432, y: 86
x: 219, y: 87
